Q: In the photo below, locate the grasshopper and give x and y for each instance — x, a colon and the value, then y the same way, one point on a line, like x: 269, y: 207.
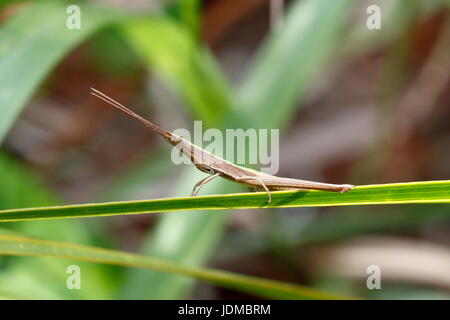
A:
x: 218, y: 167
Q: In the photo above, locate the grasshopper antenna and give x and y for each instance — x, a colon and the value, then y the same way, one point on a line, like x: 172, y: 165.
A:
x: 130, y: 113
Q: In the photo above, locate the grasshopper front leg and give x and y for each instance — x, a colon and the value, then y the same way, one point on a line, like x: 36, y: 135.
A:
x: 202, y: 182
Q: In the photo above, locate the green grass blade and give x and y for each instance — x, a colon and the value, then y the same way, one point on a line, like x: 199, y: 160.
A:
x: 171, y: 51
x: 396, y: 193
x: 188, y: 13
x: 294, y: 54
x: 31, y: 43
x: 11, y: 244
x: 194, y: 243
x: 21, y: 187
x: 174, y: 54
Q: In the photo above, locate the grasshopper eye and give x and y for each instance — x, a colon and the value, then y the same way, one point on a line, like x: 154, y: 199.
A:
x: 210, y: 170
x: 205, y: 168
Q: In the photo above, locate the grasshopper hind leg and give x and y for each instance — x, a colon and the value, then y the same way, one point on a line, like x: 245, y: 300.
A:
x: 255, y: 188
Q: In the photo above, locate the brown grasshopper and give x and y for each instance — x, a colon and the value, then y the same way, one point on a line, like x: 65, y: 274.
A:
x: 218, y: 167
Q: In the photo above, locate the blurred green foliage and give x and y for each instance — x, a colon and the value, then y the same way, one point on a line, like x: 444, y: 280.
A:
x: 34, y: 40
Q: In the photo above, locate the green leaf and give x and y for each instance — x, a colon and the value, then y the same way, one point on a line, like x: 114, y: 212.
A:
x: 174, y: 54
x: 6, y: 3
x: 20, y: 187
x: 31, y: 43
x: 395, y: 193
x: 11, y: 244
x: 294, y: 54
x: 199, y: 232
x: 188, y: 12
